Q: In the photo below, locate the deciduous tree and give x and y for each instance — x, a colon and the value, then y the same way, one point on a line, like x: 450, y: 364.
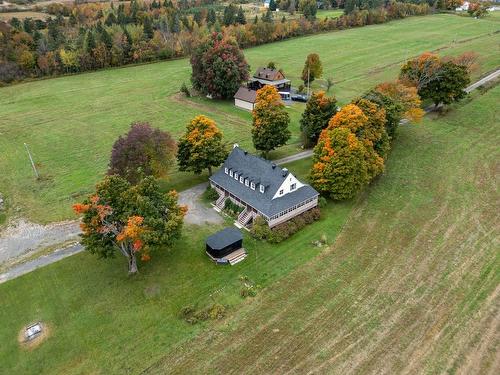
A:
x: 319, y: 110
x: 442, y: 81
x: 270, y: 121
x: 143, y: 151
x: 312, y: 68
x: 133, y: 220
x: 367, y: 123
x: 309, y: 8
x: 218, y: 67
x: 201, y: 147
x: 450, y: 85
x: 339, y: 167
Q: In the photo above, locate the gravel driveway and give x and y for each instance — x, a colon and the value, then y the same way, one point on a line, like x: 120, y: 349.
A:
x: 198, y: 213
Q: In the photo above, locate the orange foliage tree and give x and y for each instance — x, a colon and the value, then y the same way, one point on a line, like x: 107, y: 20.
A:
x: 367, y: 123
x: 339, y: 166
x: 201, y: 147
x: 133, y: 220
x: 270, y: 120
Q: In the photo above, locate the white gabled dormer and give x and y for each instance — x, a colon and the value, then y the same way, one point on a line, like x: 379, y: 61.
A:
x: 289, y: 185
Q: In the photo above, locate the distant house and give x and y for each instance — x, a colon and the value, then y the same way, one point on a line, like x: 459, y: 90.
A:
x: 246, y: 95
x: 463, y: 8
x: 262, y: 188
x: 245, y: 98
x: 272, y: 77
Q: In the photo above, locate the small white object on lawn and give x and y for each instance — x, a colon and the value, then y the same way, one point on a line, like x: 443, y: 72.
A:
x: 33, y: 330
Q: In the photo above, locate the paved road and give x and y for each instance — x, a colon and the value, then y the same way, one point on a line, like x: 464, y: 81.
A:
x: 32, y: 265
x: 484, y: 80
x: 197, y: 214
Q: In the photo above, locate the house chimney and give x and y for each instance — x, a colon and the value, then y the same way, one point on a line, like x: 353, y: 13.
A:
x: 273, y: 165
x: 285, y: 171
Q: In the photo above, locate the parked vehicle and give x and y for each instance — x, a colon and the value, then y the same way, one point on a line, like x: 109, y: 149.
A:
x: 300, y: 98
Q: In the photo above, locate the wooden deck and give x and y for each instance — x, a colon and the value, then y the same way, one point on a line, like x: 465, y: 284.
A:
x: 233, y: 258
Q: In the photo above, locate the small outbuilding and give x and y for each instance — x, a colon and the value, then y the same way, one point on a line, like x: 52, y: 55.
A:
x: 245, y: 98
x: 226, y: 246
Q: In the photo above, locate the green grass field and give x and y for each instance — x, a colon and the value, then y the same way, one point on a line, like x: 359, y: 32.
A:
x: 411, y: 286
x: 70, y: 123
x: 139, y: 317
x: 408, y: 284
x: 330, y: 13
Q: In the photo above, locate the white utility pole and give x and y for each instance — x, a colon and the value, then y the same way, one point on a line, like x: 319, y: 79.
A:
x: 31, y: 160
x: 308, y: 83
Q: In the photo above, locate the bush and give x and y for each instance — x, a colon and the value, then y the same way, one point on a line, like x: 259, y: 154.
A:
x: 260, y: 229
x: 322, y: 202
x: 284, y: 230
x: 212, y: 312
x: 185, y: 90
x: 248, y: 291
x: 232, y: 208
x: 210, y: 194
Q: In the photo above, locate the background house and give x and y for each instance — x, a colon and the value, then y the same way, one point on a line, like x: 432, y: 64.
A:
x: 246, y: 95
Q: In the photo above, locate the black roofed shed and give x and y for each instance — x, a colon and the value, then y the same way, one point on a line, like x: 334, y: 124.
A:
x: 224, y: 242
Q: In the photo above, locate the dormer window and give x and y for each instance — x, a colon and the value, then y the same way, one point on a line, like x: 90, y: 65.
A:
x: 252, y: 185
x: 241, y: 179
x: 231, y: 173
x: 246, y: 181
x: 236, y: 176
x: 293, y: 187
x: 225, y: 171
x: 262, y: 188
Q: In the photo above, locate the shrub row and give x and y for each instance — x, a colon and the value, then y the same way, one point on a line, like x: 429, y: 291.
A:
x: 281, y: 232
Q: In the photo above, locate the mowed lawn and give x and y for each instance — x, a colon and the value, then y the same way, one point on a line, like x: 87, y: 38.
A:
x: 103, y: 322
x: 411, y: 286
x: 70, y: 123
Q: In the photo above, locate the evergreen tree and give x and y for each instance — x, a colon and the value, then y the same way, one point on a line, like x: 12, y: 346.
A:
x: 148, y: 28
x: 211, y: 17
x: 240, y: 17
x: 319, y: 110
x: 90, y: 42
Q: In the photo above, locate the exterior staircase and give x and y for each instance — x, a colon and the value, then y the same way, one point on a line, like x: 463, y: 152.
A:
x: 219, y: 203
x: 245, y: 216
x: 236, y: 256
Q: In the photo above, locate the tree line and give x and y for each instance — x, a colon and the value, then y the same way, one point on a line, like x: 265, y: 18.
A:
x: 83, y: 37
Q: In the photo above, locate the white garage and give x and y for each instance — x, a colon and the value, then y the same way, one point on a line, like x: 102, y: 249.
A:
x: 245, y: 98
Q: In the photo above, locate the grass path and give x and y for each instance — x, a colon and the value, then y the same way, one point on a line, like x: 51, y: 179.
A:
x: 410, y: 286
x: 70, y: 123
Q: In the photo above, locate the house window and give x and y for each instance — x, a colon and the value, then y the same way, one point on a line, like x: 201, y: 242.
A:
x: 252, y: 185
x: 241, y: 179
x: 261, y: 188
x: 281, y: 192
x: 293, y: 187
x: 225, y: 170
x: 231, y: 173
x: 246, y: 181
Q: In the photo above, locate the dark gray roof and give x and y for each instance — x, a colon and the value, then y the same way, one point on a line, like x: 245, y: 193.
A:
x: 223, y: 238
x: 246, y: 94
x: 261, y: 172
